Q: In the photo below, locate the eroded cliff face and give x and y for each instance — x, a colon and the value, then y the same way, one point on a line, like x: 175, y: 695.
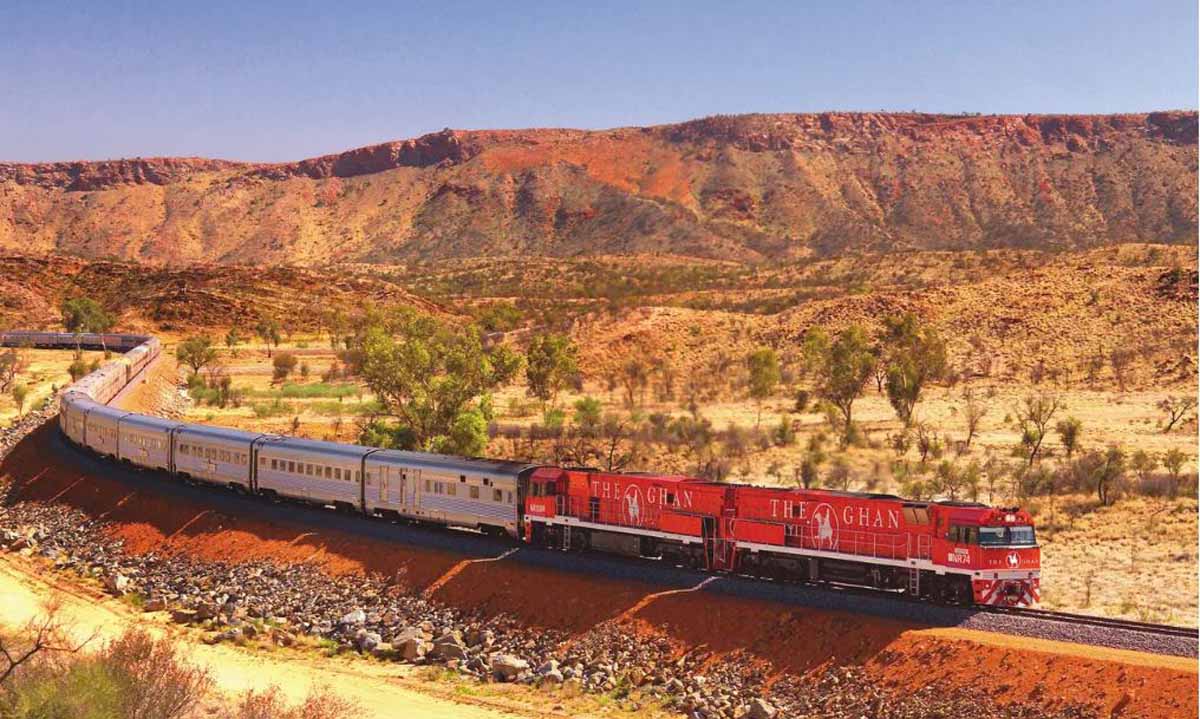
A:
x: 751, y: 187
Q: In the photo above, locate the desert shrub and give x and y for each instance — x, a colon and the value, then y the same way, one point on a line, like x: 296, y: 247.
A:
x: 319, y: 390
x: 785, y: 432
x: 268, y: 704
x: 283, y: 365
x: 500, y: 317
x: 519, y: 408
x: 276, y: 408
x: 388, y: 435
x: 136, y: 675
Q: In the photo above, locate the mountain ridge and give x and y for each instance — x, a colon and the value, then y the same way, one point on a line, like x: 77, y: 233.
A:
x: 746, y: 187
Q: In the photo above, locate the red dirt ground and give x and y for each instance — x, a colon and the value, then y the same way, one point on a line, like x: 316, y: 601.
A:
x: 1044, y: 673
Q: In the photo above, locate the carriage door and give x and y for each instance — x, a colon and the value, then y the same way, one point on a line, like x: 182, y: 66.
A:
x: 383, y: 483
x: 413, y: 480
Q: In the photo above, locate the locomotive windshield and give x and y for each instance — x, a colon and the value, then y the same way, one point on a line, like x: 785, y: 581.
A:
x: 1020, y: 536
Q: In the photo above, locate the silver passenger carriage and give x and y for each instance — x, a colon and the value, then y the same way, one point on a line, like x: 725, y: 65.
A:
x: 72, y: 414
x: 214, y: 454
x: 102, y: 432
x: 457, y: 491
x: 146, y: 441
x: 311, y: 470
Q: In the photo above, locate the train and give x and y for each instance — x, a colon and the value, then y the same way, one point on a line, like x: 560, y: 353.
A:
x: 950, y: 552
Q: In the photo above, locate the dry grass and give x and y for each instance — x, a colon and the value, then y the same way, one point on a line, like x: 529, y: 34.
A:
x: 45, y: 370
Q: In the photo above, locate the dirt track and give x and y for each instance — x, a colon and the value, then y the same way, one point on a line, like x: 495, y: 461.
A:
x: 380, y: 692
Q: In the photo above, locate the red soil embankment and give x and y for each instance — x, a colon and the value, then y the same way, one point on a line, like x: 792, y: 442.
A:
x: 1011, y: 669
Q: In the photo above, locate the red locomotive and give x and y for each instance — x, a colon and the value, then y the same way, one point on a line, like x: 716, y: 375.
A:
x: 955, y: 552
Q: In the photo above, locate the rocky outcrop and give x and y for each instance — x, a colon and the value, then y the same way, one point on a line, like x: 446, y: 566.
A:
x: 84, y: 176
x: 747, y: 187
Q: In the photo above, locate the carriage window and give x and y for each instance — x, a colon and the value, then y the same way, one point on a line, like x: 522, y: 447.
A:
x: 970, y: 535
x: 273, y: 464
x: 536, y: 489
x: 428, y: 486
x: 337, y: 472
x: 357, y: 475
x: 329, y: 473
x: 474, y: 492
x: 462, y: 477
x: 509, y: 495
x: 953, y: 534
x: 497, y: 495
x: 291, y: 466
x: 452, y: 489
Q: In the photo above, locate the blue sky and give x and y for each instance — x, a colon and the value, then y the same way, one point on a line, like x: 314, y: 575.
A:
x: 271, y: 81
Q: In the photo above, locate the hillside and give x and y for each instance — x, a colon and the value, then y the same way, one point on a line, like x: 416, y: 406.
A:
x: 747, y: 188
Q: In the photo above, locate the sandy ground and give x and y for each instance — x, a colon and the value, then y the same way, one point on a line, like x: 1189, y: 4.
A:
x: 380, y: 691
x: 44, y: 370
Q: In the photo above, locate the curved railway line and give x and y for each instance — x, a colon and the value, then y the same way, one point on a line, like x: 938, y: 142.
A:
x: 1100, y: 631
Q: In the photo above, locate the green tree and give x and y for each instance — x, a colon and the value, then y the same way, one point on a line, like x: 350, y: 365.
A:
x: 588, y: 415
x: 1033, y: 416
x: 427, y: 374
x: 635, y: 376
x: 19, y: 393
x: 467, y: 434
x: 1143, y: 464
x: 841, y: 367
x: 196, y: 352
x: 1110, y: 474
x: 915, y: 356
x: 1069, y: 431
x: 83, y: 314
x: 233, y: 338
x: 973, y: 413
x: 1173, y: 461
x: 12, y: 363
x: 267, y: 330
x: 810, y: 465
x: 1177, y: 408
x: 763, y: 367
x: 551, y: 364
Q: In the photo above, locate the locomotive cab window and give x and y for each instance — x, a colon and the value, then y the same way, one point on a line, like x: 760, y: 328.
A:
x: 1021, y: 536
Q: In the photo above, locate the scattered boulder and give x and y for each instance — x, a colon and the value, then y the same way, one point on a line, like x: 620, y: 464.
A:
x: 353, y: 618
x: 116, y: 583
x: 761, y: 709
x: 506, y: 667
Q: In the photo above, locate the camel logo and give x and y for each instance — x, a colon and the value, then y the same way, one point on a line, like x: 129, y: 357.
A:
x: 824, y: 524
x: 1013, y: 559
x: 633, y: 504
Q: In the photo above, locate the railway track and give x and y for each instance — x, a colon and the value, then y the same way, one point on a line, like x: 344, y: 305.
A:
x: 1165, y: 630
